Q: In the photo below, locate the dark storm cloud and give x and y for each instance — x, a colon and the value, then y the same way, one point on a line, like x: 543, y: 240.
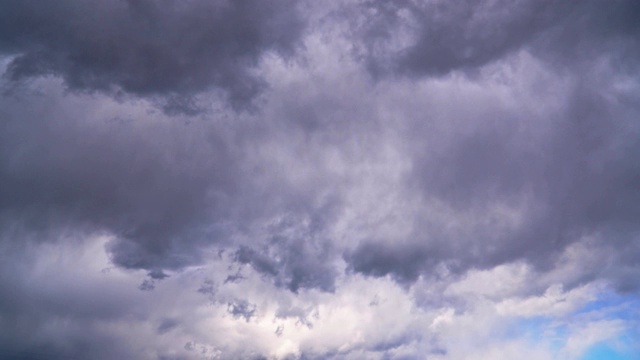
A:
x: 580, y: 180
x: 165, y: 204
x: 53, y: 317
x: 404, y: 263
x: 293, y: 256
x: 167, y: 191
x: 169, y: 50
x: 158, y: 188
x: 294, y: 268
x: 239, y: 308
x: 437, y: 37
x: 397, y: 178
x: 234, y: 278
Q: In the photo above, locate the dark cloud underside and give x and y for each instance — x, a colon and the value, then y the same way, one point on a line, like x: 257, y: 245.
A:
x: 438, y: 37
x: 171, y: 50
x: 403, y: 150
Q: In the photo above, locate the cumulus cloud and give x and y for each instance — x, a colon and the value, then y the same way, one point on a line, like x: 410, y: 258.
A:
x: 438, y: 37
x: 64, y: 173
x: 502, y: 178
x: 422, y: 178
x: 166, y: 49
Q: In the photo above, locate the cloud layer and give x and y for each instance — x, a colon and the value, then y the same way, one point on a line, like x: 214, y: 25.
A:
x: 166, y: 49
x: 300, y: 180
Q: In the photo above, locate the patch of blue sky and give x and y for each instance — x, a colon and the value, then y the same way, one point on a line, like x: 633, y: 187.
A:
x: 553, y: 333
x: 625, y: 345
x: 626, y: 307
x: 543, y: 330
x: 622, y: 307
x: 607, y: 351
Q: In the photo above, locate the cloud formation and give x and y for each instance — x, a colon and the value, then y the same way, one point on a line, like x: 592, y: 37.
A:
x: 437, y: 37
x: 167, y: 49
x: 419, y: 177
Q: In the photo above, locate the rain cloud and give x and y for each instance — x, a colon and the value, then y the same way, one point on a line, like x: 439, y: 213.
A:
x: 292, y: 179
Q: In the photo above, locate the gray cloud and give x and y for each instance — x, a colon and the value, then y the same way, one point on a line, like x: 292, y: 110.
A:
x: 168, y: 324
x: 349, y: 215
x: 580, y: 180
x: 294, y: 256
x: 405, y: 263
x: 166, y: 190
x: 577, y: 181
x: 157, y: 188
x: 435, y: 38
x: 52, y: 317
x: 239, y: 308
x: 170, y: 50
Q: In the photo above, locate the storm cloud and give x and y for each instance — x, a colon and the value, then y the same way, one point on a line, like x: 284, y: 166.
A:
x: 305, y: 180
x: 161, y: 49
x: 434, y: 38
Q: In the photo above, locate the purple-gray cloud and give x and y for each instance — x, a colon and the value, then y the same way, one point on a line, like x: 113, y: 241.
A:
x: 409, y: 173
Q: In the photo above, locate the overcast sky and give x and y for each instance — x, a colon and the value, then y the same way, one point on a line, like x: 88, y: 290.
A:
x: 336, y: 179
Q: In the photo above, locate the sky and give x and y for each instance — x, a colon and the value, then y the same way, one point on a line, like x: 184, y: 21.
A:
x: 304, y: 179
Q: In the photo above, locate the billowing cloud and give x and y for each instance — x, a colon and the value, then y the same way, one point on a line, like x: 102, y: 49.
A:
x: 64, y: 173
x: 517, y: 181
x: 171, y: 50
x: 437, y: 37
x: 421, y: 178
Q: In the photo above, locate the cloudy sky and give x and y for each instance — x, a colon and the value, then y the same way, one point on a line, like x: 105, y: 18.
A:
x: 336, y: 179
